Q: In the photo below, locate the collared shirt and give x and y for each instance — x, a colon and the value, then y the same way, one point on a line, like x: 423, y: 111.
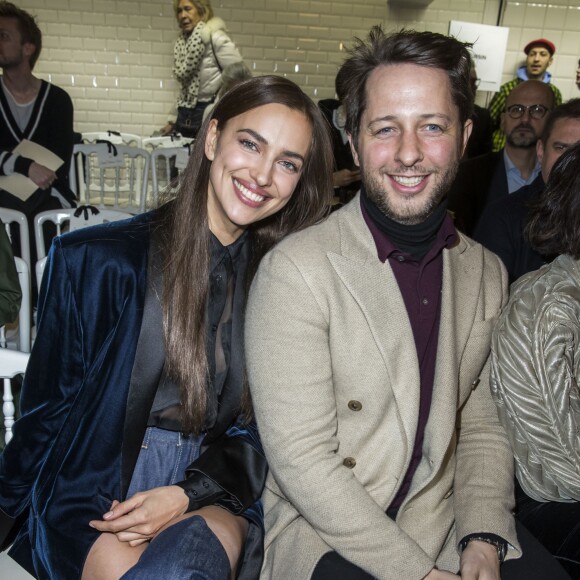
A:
x: 228, y: 266
x: 420, y: 284
x: 514, y: 177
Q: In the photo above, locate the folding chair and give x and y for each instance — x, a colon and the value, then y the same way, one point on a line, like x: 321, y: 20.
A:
x: 167, y: 165
x: 12, y: 363
x: 11, y: 216
x: 108, y: 175
x: 72, y: 219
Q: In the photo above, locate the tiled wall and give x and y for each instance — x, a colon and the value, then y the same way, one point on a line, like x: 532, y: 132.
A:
x: 114, y: 57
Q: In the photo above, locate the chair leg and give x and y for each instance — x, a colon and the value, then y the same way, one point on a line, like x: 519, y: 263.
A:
x: 8, y: 410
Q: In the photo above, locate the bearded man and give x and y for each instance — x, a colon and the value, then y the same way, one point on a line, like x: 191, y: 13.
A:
x: 367, y: 340
x: 490, y: 177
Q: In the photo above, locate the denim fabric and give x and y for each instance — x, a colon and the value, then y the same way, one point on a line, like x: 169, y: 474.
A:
x: 188, y: 550
x: 163, y: 459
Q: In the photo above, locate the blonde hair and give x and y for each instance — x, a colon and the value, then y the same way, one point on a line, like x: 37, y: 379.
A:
x: 203, y: 7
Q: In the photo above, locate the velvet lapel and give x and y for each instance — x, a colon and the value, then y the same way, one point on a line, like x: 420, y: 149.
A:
x: 147, y: 368
x: 373, y: 286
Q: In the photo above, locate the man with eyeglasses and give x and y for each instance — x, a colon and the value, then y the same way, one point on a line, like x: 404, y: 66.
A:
x: 539, y: 56
x: 487, y: 178
x: 501, y: 227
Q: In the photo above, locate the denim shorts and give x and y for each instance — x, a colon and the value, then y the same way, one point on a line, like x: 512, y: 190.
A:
x: 163, y: 458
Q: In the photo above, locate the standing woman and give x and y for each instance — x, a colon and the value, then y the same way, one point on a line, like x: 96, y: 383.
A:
x: 136, y: 455
x: 201, y: 52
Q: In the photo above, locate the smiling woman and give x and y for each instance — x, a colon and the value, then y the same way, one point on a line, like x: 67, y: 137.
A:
x: 137, y: 454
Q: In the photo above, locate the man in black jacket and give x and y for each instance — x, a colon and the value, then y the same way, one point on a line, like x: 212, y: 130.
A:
x: 501, y: 227
x: 31, y: 109
x: 484, y: 179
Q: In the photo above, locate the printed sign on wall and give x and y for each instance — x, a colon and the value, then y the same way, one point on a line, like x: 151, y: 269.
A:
x: 489, y: 47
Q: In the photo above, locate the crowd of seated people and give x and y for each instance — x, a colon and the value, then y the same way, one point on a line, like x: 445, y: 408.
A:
x: 183, y: 353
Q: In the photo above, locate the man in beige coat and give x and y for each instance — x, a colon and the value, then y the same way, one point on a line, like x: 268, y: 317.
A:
x: 367, y: 340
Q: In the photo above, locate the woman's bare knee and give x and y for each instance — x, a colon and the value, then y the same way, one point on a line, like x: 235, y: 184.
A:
x: 109, y: 559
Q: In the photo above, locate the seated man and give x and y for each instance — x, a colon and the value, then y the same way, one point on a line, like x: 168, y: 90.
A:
x: 32, y: 109
x: 501, y: 227
x: 367, y: 339
x: 539, y: 56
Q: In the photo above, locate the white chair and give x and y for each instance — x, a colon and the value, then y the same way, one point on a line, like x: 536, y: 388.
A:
x: 9, y: 216
x: 12, y: 363
x: 116, y: 137
x: 174, y: 140
x: 62, y: 217
x: 109, y: 175
x: 40, y: 265
x: 166, y: 161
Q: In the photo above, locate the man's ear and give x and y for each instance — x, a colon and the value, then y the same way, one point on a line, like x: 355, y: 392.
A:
x: 211, y: 139
x: 28, y: 49
x: 353, y: 150
x: 501, y: 121
x: 539, y: 150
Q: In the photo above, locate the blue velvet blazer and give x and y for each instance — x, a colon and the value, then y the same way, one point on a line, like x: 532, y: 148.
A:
x: 86, y: 397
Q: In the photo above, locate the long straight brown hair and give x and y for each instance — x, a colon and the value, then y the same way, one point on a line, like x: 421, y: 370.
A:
x: 184, y: 236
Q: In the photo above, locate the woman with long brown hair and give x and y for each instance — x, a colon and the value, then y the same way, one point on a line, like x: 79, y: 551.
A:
x: 136, y: 455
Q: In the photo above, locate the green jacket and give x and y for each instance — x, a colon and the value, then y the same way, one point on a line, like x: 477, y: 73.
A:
x: 10, y: 293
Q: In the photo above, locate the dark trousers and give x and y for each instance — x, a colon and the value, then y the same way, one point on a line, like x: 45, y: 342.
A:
x: 556, y: 525
x: 535, y: 564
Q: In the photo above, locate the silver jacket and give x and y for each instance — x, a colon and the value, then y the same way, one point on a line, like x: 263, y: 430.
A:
x: 536, y: 376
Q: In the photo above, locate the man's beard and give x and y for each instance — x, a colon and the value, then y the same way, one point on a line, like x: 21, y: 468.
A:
x: 377, y: 194
x: 525, y: 141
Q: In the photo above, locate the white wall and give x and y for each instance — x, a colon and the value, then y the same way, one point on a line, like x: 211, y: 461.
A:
x: 114, y: 57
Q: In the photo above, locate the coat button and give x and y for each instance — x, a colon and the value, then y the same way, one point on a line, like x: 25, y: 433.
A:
x: 355, y: 405
x: 448, y: 494
x: 349, y: 462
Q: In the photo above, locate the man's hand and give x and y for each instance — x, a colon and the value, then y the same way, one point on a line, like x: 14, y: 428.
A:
x: 479, y: 561
x: 345, y: 177
x: 140, y: 518
x: 42, y: 176
x: 168, y: 129
x: 440, y: 575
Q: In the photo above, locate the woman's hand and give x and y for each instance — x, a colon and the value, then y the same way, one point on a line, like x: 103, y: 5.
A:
x: 142, y: 517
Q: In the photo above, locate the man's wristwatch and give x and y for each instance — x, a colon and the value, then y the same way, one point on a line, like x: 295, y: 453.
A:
x: 500, y: 545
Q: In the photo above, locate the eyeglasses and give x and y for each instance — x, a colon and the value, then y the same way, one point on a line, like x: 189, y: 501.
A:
x: 535, y: 111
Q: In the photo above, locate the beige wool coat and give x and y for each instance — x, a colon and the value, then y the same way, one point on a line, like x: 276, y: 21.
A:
x: 335, y: 383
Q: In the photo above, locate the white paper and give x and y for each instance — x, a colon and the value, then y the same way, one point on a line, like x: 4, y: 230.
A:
x: 21, y: 186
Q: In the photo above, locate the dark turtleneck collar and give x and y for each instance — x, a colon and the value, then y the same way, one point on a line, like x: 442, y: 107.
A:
x: 416, y: 239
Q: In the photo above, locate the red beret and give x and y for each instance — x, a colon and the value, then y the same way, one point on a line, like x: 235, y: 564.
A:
x: 542, y: 42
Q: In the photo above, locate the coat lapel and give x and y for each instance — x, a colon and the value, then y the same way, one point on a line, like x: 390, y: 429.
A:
x: 373, y: 286
x: 462, y: 272
x: 147, y: 368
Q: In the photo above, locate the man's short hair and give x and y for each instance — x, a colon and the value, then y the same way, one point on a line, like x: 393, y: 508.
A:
x: 567, y: 110
x: 428, y: 49
x: 29, y: 31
